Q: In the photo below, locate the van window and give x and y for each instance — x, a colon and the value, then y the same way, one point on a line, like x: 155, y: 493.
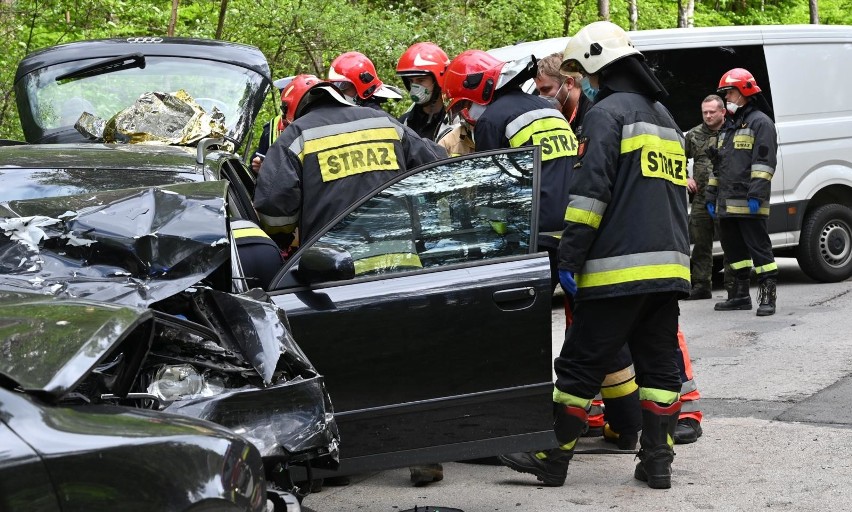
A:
x: 690, y: 74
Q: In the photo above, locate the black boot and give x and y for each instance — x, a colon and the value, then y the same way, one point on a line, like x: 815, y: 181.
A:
x: 624, y: 441
x: 766, y: 297
x: 656, y: 451
x: 700, y: 292
x: 740, y: 300
x: 551, y: 466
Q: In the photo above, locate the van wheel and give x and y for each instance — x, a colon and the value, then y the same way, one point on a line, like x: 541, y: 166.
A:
x: 825, y: 244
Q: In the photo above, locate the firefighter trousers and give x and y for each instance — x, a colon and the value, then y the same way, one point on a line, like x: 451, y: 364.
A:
x: 646, y: 323
x: 745, y: 241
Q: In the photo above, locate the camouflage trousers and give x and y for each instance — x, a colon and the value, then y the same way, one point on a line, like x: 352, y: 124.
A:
x: 701, y: 229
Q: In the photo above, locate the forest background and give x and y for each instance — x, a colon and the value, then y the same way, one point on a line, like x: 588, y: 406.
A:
x: 304, y: 36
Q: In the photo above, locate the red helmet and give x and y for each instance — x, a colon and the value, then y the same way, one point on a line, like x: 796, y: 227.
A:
x: 358, y: 70
x: 421, y: 59
x: 293, y: 97
x: 472, y: 76
x: 740, y: 79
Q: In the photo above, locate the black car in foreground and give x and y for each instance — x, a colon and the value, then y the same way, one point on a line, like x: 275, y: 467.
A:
x: 144, y: 231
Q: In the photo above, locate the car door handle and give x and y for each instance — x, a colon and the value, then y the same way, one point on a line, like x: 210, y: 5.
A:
x: 514, y: 294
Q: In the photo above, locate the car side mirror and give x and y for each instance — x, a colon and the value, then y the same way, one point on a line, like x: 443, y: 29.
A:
x: 322, y: 263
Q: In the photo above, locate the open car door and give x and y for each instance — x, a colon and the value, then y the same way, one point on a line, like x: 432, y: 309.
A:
x: 428, y: 307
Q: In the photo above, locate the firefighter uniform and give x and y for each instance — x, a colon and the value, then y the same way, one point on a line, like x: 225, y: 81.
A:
x: 260, y: 257
x: 516, y: 119
x: 745, y: 165
x: 329, y: 158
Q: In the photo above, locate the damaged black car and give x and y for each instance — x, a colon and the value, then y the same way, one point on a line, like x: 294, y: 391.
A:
x: 141, y: 213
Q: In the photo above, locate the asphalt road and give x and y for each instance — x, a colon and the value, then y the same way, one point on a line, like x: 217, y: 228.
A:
x: 776, y: 394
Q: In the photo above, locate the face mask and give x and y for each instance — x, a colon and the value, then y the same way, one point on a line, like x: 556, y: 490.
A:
x: 419, y: 94
x: 553, y: 100
x: 732, y: 107
x: 588, y: 90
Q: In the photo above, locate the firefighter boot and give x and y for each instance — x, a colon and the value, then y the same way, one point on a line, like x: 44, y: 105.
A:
x: 656, y: 443
x: 740, y: 300
x: 766, y: 297
x: 551, y: 466
x: 626, y: 441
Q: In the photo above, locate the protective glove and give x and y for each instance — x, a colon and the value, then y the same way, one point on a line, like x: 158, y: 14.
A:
x: 711, y: 209
x: 566, y: 279
x: 753, y: 204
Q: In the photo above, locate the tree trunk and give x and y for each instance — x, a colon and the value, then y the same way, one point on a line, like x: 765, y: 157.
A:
x: 603, y: 10
x: 690, y: 13
x: 223, y: 8
x: 681, y: 14
x: 173, y: 19
x: 633, y: 14
x: 812, y: 4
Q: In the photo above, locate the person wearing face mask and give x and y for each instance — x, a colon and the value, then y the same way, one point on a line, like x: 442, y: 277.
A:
x: 355, y: 76
x: 624, y: 253
x: 739, y: 188
x: 421, y: 68
x: 486, y: 93
x: 562, y: 91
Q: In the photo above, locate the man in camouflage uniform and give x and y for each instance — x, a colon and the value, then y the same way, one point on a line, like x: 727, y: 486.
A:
x: 698, y: 141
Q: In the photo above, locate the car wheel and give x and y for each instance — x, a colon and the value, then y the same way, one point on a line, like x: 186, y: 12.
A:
x: 825, y: 244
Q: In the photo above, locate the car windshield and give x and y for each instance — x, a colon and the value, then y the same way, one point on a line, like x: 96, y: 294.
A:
x: 212, y: 84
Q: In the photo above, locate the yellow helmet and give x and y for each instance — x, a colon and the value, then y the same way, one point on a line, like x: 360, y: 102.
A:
x: 596, y: 46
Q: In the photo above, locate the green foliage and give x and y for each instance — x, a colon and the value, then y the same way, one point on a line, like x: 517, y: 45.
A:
x: 302, y: 36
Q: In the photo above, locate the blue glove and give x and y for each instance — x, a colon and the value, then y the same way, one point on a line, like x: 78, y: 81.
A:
x: 753, y: 204
x: 566, y: 279
x: 711, y: 209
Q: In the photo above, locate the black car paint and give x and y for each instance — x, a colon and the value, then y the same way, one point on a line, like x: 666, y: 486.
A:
x: 97, y: 457
x: 435, y: 365
x: 159, y: 247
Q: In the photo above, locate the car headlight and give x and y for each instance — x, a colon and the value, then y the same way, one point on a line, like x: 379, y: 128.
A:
x: 182, y: 382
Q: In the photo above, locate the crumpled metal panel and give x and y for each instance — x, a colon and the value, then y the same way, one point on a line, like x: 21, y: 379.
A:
x: 156, y: 118
x: 131, y: 247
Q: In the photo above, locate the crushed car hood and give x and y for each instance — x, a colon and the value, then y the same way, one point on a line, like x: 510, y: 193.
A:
x: 130, y: 247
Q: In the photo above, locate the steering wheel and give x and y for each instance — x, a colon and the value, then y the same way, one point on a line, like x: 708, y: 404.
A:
x: 209, y: 103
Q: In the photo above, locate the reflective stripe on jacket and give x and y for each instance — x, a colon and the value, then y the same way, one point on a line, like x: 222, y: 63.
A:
x: 328, y: 159
x: 748, y: 147
x: 519, y: 119
x: 626, y: 220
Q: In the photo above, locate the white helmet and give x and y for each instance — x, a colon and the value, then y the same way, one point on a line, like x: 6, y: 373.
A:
x: 596, y: 46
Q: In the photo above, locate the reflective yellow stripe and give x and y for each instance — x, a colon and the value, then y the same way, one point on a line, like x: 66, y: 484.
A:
x: 387, y: 262
x: 744, y: 210
x: 761, y: 175
x: 619, y: 377
x: 640, y: 141
x: 344, y: 139
x: 246, y: 232
x: 632, y: 274
x: 560, y: 397
x: 736, y: 265
x: 619, y: 390
x: 556, y: 144
x: 583, y: 217
x: 769, y: 267
x: 661, y: 396
x: 540, y: 125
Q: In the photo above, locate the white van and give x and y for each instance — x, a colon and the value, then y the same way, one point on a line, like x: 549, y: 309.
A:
x: 804, y: 72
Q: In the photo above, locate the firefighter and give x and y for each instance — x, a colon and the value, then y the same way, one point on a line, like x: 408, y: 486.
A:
x: 330, y: 155
x: 271, y: 129
x: 260, y: 258
x: 356, y: 77
x: 485, y: 92
x: 739, y: 187
x: 422, y: 68
x: 624, y: 251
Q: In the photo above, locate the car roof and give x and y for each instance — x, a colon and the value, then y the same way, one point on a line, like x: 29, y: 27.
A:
x: 236, y: 54
x: 694, y: 37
